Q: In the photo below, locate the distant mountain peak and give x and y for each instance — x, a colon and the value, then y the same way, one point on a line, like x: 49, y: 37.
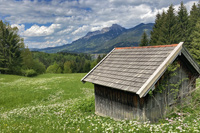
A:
x: 90, y: 34
x: 115, y: 27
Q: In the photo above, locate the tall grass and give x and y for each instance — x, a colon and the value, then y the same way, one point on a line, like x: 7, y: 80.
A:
x: 61, y: 103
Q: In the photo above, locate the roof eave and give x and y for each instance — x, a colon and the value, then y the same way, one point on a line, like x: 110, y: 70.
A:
x: 159, y: 71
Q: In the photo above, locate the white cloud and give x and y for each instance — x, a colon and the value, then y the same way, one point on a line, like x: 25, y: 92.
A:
x: 66, y: 30
x: 72, y: 19
x: 95, y: 28
x: 36, y: 30
x: 82, y: 29
x: 47, y: 43
x: 21, y: 27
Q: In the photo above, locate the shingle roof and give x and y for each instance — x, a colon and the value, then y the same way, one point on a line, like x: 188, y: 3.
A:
x: 133, y: 69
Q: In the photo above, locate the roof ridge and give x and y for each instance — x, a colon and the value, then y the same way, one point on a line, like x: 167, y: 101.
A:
x: 157, y: 46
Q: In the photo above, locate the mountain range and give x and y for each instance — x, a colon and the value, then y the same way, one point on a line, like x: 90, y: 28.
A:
x: 103, y: 41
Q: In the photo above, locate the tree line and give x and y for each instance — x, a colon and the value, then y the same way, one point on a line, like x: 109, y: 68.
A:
x: 172, y: 27
x: 67, y: 62
x: 17, y: 59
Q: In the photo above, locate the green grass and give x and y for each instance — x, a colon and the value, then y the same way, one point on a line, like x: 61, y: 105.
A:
x: 17, y: 91
x: 52, y: 103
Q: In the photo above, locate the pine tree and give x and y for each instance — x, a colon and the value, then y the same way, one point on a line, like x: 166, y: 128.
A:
x: 155, y: 33
x: 169, y: 27
x: 182, y: 24
x: 3, y: 60
x: 195, y: 44
x: 192, y: 23
x: 198, y: 8
x: 99, y: 58
x: 161, y: 32
x: 193, y: 16
x: 86, y: 67
x: 10, y: 49
x: 165, y: 28
x: 144, y: 40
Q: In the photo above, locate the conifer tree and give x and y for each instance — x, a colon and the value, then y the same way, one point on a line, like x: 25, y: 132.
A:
x: 3, y: 60
x: 10, y: 45
x: 144, y: 40
x: 182, y: 24
x: 156, y: 32
x: 165, y: 28
x: 162, y: 30
x: 169, y: 27
x: 194, y: 14
x: 192, y: 23
x: 198, y: 8
x: 195, y: 44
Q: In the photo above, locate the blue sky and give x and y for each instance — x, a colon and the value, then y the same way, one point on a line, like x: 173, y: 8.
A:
x: 49, y: 23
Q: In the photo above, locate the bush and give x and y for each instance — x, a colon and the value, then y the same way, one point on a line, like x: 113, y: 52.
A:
x: 39, y: 67
x: 55, y: 68
x: 30, y: 73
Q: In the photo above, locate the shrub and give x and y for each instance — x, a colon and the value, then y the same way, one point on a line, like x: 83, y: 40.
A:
x: 55, y: 68
x: 39, y: 67
x: 30, y: 73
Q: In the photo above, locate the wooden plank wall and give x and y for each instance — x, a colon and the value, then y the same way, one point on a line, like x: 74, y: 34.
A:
x: 118, y: 104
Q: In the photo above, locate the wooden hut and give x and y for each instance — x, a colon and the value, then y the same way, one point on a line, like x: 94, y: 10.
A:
x: 142, y: 82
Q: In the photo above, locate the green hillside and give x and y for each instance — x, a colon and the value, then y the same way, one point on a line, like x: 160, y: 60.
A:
x: 60, y: 103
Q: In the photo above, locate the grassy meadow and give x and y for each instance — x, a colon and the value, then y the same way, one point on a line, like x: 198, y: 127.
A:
x: 52, y: 103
